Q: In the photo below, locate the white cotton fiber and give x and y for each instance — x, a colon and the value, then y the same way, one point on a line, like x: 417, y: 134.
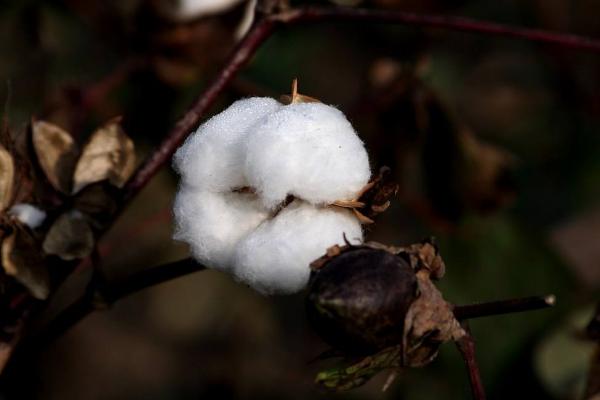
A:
x: 213, y: 157
x: 28, y: 214
x: 268, y: 151
x: 275, y: 257
x: 309, y: 150
x: 186, y: 10
x: 213, y: 223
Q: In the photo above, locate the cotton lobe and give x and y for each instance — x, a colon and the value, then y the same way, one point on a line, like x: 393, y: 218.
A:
x: 238, y: 169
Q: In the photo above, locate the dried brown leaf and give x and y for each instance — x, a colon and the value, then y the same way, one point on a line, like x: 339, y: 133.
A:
x: 377, y: 194
x: 56, y: 152
x: 429, y: 322
x: 425, y: 255
x: 7, y: 178
x: 70, y: 237
x: 22, y: 258
x: 490, y: 184
x: 109, y: 155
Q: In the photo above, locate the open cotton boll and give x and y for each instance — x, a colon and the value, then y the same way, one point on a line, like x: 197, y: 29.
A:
x: 28, y: 214
x: 213, y: 157
x: 275, y: 257
x: 213, y: 223
x: 309, y: 150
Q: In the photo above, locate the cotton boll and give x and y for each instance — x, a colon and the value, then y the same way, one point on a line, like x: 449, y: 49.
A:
x: 213, y: 223
x: 28, y: 214
x: 275, y: 258
x: 213, y: 157
x: 309, y: 150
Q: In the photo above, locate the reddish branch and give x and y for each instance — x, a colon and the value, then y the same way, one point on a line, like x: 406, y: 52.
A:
x: 466, y: 346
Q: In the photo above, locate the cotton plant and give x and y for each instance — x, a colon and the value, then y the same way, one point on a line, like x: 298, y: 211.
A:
x: 267, y: 187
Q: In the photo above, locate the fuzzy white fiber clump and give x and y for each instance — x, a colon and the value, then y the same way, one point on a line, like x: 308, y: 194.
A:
x: 238, y: 169
x: 28, y: 214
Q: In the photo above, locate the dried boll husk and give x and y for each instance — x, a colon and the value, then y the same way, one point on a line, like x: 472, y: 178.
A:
x: 358, y: 300
x: 379, y: 303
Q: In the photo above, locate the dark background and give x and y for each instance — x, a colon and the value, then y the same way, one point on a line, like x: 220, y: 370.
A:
x: 517, y: 216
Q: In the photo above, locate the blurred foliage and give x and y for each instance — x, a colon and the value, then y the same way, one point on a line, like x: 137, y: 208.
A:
x: 79, y: 64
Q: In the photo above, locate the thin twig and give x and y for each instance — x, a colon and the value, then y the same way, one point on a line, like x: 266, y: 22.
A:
x: 466, y: 346
x: 499, y: 307
x: 461, y: 24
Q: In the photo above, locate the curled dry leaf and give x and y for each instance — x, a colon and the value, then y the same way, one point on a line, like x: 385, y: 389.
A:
x: 425, y: 255
x: 56, y: 152
x: 7, y: 178
x: 109, y: 155
x: 429, y: 322
x: 373, y: 199
x: 22, y: 259
x: 70, y: 237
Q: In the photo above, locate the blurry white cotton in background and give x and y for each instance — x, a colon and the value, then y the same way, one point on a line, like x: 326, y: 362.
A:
x: 28, y: 214
x: 186, y: 10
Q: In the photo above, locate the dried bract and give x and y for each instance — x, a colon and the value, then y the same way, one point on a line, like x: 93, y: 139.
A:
x: 109, y: 155
x: 70, y: 237
x: 56, y: 152
x: 22, y: 259
x: 7, y: 178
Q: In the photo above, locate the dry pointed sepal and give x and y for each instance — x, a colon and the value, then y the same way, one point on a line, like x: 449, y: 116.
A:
x: 70, y: 237
x: 7, y: 178
x: 22, y: 259
x: 296, y: 97
x: 56, y: 152
x: 372, y: 199
x: 109, y: 155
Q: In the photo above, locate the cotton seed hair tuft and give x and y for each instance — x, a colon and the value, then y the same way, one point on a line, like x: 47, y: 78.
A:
x: 257, y: 182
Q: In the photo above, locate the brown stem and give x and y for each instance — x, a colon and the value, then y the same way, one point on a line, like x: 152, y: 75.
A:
x: 503, y: 307
x: 466, y: 346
